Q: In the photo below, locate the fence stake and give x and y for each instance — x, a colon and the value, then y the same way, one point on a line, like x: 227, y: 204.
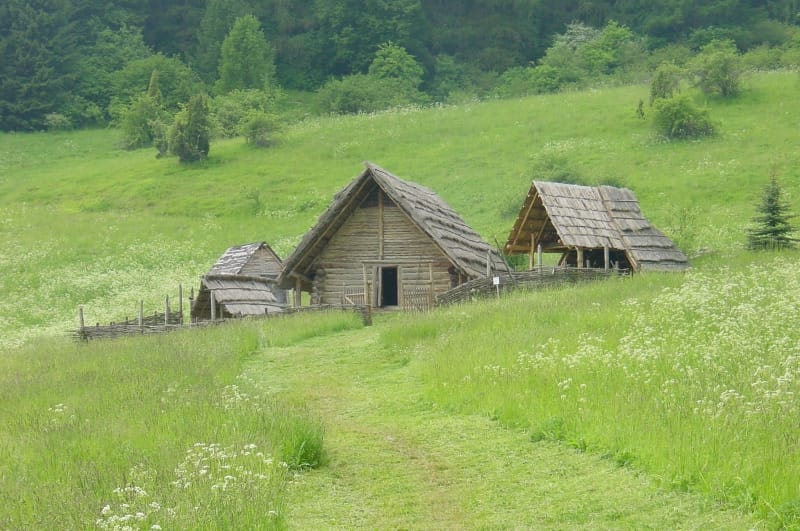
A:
x: 80, y: 317
x: 166, y: 311
x: 141, y: 313
x: 180, y: 299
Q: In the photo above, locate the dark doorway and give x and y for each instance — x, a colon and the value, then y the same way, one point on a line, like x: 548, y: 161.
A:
x: 388, y: 286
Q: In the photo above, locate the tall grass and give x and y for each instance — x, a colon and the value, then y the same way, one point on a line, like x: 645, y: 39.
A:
x: 693, y: 380
x: 136, y: 226
x: 157, y: 431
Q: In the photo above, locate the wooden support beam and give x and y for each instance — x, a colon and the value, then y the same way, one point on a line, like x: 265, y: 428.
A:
x: 297, y: 291
x: 533, y: 250
x: 525, y: 216
x: 579, y: 250
x: 606, y: 257
x: 380, y: 224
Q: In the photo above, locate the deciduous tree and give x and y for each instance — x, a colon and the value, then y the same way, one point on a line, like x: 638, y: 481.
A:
x: 248, y: 60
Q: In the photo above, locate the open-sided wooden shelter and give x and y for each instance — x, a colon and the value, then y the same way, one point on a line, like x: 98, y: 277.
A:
x: 595, y: 226
x: 242, y: 282
x: 386, y: 242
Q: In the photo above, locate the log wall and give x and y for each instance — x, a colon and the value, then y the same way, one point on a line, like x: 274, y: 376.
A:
x: 378, y: 231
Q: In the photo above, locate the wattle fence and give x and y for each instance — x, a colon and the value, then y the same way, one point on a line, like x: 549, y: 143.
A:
x: 539, y: 278
x: 160, y: 322
x: 414, y: 300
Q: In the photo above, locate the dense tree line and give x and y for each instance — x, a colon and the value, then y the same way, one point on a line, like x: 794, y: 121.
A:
x: 85, y: 60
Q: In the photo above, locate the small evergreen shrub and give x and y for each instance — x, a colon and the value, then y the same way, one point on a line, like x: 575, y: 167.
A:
x: 137, y: 122
x: 189, y: 136
x: 772, y: 229
x: 679, y: 117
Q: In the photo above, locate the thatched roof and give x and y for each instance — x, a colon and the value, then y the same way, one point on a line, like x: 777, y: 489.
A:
x: 249, y: 259
x: 561, y: 217
x: 238, y: 295
x: 466, y: 250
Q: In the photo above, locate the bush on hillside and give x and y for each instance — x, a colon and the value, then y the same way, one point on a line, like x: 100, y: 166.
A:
x: 189, y: 136
x: 259, y: 128
x: 523, y: 81
x: 363, y: 93
x: 679, y: 117
x: 717, y: 68
x: 140, y: 122
x: 231, y: 111
x: 666, y: 82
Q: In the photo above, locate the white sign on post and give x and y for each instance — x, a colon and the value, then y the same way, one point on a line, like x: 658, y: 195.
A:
x: 496, y: 281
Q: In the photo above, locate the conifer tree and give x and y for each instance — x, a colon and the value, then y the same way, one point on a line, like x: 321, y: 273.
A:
x: 772, y: 228
x: 190, y: 134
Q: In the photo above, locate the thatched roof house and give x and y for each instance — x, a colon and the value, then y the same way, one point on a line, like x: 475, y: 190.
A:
x: 242, y: 282
x: 594, y: 224
x: 385, y: 241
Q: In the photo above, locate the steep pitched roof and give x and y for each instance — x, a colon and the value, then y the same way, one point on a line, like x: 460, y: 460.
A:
x: 459, y: 243
x: 238, y: 295
x: 240, y: 259
x: 563, y: 216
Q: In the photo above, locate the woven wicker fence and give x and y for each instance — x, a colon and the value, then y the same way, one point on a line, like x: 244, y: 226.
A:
x: 539, y: 278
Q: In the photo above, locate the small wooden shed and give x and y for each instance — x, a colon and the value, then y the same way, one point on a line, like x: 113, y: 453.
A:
x: 386, y: 242
x: 594, y: 226
x: 242, y: 282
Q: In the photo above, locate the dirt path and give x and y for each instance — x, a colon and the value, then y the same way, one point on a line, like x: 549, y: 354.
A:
x: 396, y: 462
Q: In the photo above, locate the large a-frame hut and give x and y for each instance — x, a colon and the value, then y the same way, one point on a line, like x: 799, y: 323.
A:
x: 242, y: 282
x: 386, y: 242
x: 594, y: 226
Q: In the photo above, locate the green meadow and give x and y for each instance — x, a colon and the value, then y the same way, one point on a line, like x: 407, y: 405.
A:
x: 658, y: 401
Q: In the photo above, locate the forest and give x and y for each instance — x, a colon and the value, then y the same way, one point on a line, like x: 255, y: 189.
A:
x: 78, y: 63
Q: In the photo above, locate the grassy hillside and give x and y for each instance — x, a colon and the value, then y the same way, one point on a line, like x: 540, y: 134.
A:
x: 690, y: 379
x: 82, y: 222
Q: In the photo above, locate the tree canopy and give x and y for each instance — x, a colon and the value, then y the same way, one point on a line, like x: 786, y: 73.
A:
x: 78, y: 57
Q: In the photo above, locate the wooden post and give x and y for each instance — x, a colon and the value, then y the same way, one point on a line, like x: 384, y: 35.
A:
x: 297, y: 285
x: 191, y: 303
x: 80, y: 317
x: 533, y: 250
x: 366, y: 284
x: 141, y: 313
x: 213, y: 305
x: 580, y: 257
x: 488, y: 263
x: 180, y: 301
x: 539, y: 256
x: 166, y: 311
x: 606, y: 257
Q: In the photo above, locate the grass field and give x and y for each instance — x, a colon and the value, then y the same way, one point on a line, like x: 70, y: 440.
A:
x: 659, y: 399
